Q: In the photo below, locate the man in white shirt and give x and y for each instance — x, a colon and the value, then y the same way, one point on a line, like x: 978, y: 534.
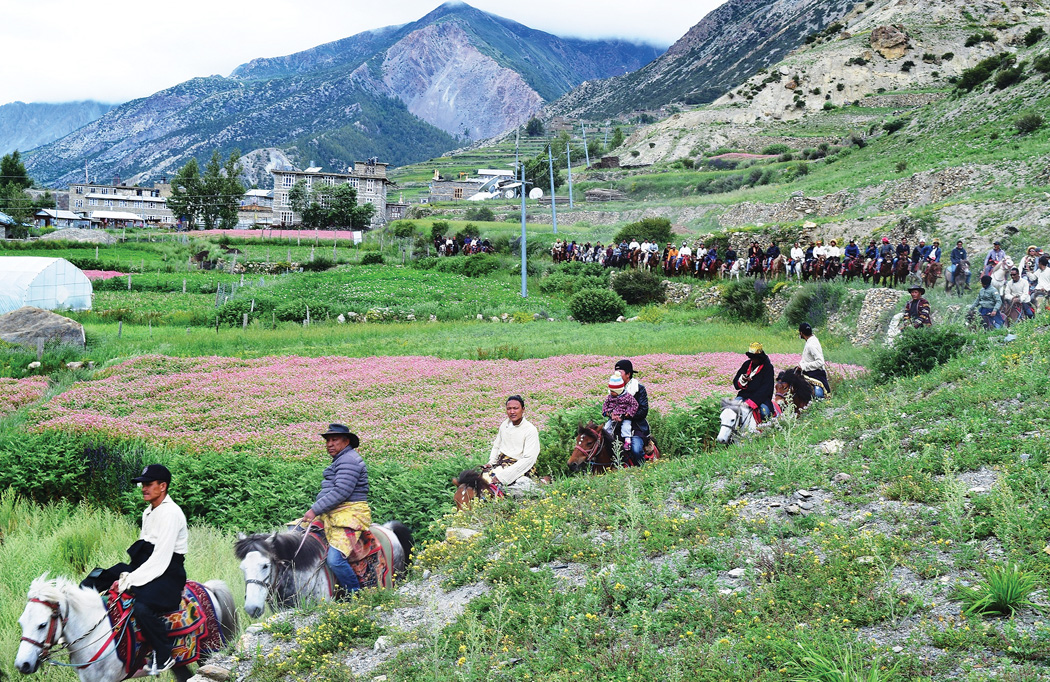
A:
x: 634, y: 244
x: 1016, y: 295
x: 156, y: 575
x: 1042, y: 283
x: 515, y: 450
x: 812, y: 362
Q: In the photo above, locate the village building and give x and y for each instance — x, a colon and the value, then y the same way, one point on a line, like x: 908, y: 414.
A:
x: 487, y: 181
x: 53, y: 217
x: 255, y: 210
x: 135, y: 205
x: 369, y: 178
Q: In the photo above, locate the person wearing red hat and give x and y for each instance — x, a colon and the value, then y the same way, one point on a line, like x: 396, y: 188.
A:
x: 885, y: 251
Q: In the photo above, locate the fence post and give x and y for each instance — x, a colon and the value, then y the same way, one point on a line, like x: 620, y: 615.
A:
x: 39, y: 350
x: 184, y: 286
x: 289, y: 255
x: 307, y: 316
x: 253, y: 305
x: 244, y: 324
x: 96, y: 253
x: 129, y: 281
x: 120, y: 328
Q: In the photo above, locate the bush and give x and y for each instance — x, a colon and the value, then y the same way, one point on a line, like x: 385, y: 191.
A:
x: 828, y: 106
x: 948, y: 56
x: 742, y: 300
x: 1029, y: 123
x: 295, y: 311
x: 569, y: 278
x: 657, y: 230
x: 439, y: 228
x: 480, y: 265
x: 982, y: 37
x: 776, y: 149
x: 813, y: 303
x: 469, y: 230
x: 425, y: 263
x: 233, y: 312
x: 983, y: 70
x: 1008, y: 77
x: 1005, y: 589
x: 372, y: 258
x: 907, y: 66
x: 917, y: 351
x: 1042, y: 63
x: 1034, y: 36
x: 894, y: 125
x: 638, y: 287
x: 482, y: 214
x: 901, y: 166
x: 318, y: 264
x: 597, y: 305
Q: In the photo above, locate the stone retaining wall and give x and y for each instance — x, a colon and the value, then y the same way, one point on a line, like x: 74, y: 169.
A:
x: 876, y: 303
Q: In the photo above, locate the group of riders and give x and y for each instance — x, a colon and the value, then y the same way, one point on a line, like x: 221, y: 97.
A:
x: 463, y: 244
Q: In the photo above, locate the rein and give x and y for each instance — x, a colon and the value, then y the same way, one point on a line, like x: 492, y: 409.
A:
x: 50, y: 641
x: 590, y: 454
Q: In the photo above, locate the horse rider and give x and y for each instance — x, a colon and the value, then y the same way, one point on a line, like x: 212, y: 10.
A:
x: 730, y: 256
x: 711, y: 256
x: 917, y: 310
x: 994, y: 257
x: 797, y: 255
x: 667, y: 255
x: 755, y: 381
x: 515, y: 450
x: 918, y: 254
x: 1016, y: 293
x: 933, y: 254
x: 1042, y: 283
x: 1029, y: 263
x: 811, y: 252
x: 885, y: 252
x: 684, y: 253
x: 833, y: 254
x: 820, y: 251
x: 988, y: 304
x: 812, y: 362
x: 156, y: 573
x: 754, y: 255
x: 634, y: 245
x: 902, y: 251
x: 852, y: 251
x: 342, y: 505
x: 871, y: 253
x: 772, y: 253
x: 958, y: 255
x: 640, y: 422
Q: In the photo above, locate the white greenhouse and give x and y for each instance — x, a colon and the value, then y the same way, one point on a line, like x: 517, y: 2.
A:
x: 48, y: 283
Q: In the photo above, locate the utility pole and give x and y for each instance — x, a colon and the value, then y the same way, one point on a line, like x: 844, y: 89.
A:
x: 586, y: 152
x: 554, y: 208
x: 524, y: 268
x: 568, y: 162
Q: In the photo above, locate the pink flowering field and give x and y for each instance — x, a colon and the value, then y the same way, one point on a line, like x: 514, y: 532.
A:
x: 403, y: 408
x: 14, y: 393
x: 102, y: 274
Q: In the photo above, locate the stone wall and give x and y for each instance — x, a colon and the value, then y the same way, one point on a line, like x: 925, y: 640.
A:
x: 798, y: 207
x: 876, y: 303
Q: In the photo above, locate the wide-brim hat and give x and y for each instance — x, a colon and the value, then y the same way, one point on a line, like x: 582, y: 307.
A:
x: 337, y: 430
x: 921, y: 290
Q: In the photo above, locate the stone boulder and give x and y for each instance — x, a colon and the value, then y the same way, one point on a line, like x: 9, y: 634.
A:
x: 76, y: 234
x: 890, y: 41
x: 28, y: 324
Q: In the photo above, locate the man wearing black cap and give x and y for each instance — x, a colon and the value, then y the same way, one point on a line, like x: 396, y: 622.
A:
x: 156, y: 575
x: 640, y: 423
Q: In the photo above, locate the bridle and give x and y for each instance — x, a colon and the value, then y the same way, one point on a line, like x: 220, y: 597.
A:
x: 590, y: 454
x: 57, y: 623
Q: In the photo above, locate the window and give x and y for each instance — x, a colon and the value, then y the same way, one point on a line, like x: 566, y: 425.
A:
x: 92, y: 202
x: 286, y: 217
x: 123, y: 203
x: 457, y: 193
x: 287, y: 181
x: 353, y: 182
x: 78, y: 189
x: 105, y: 190
x: 79, y: 203
x: 370, y: 186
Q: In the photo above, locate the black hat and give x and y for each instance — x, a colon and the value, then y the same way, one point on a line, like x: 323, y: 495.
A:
x: 154, y: 472
x: 625, y: 365
x: 805, y: 328
x: 337, y: 430
x: 921, y: 290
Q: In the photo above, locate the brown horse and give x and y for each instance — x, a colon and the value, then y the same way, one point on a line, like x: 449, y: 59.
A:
x: 932, y: 273
x: 792, y: 385
x: 900, y: 273
x: 776, y: 268
x: 597, y: 451
x: 469, y: 486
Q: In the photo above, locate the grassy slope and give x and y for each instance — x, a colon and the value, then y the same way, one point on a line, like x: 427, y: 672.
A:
x: 625, y: 576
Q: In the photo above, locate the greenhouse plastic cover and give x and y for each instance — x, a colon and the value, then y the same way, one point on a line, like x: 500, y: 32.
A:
x: 48, y: 283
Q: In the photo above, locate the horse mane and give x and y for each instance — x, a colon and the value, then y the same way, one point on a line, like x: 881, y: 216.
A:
x: 59, y: 589
x: 797, y: 383
x: 472, y: 479
x: 590, y: 428
x: 279, y: 546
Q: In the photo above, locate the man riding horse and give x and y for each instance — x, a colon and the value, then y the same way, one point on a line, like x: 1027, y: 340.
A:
x: 812, y: 361
x: 755, y: 379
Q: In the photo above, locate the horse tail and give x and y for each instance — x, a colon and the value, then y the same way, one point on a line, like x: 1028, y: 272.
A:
x: 227, y: 609
x: 404, y: 537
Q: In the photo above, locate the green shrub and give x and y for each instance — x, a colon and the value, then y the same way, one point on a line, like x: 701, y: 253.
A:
x: 742, y: 300
x: 451, y: 264
x: 1003, y: 592
x: 439, y: 228
x: 295, y: 311
x: 638, y: 287
x: 425, y: 263
x: 901, y: 166
x: 318, y: 264
x: 597, y: 305
x: 1042, y: 63
x: 569, y: 278
x: 917, y: 351
x: 1007, y: 77
x: 1028, y: 123
x: 907, y: 66
x: 982, y: 37
x: 480, y: 265
x: 813, y: 303
x: 776, y: 149
x: 893, y: 125
x: 482, y: 214
x: 1034, y: 36
x: 657, y: 230
x: 372, y: 258
x: 232, y: 313
x: 948, y: 56
x: 469, y: 230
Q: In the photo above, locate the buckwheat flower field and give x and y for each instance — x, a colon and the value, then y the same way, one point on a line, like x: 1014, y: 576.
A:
x: 14, y: 393
x: 404, y: 408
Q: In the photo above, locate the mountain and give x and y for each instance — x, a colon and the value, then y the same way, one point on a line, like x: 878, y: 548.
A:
x: 401, y: 93
x: 727, y: 46
x: 27, y: 126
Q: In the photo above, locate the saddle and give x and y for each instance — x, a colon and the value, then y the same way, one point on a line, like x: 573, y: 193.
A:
x: 190, y: 628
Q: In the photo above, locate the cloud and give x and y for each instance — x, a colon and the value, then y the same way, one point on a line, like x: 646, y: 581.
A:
x: 115, y: 51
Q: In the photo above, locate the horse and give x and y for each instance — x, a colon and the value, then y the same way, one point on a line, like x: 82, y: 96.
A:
x: 736, y: 417
x: 791, y: 383
x: 732, y: 271
x: 776, y: 268
x: 852, y: 268
x: 1000, y: 272
x: 60, y: 614
x: 931, y: 274
x: 955, y: 276
x: 469, y: 486
x: 831, y: 269
x: 900, y: 271
x: 599, y: 452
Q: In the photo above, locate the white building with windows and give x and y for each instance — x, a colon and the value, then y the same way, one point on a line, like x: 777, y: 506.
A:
x: 147, y: 204
x: 367, y: 177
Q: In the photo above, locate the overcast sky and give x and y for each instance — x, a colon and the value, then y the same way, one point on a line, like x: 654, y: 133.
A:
x: 61, y: 50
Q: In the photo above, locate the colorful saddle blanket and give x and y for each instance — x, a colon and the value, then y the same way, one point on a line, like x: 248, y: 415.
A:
x: 194, y: 628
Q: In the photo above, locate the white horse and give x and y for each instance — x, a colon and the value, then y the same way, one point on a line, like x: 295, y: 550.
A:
x: 999, y: 274
x: 736, y: 417
x: 733, y: 271
x: 61, y: 614
x: 288, y: 569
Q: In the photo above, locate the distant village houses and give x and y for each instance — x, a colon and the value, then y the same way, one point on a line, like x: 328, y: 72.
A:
x: 488, y: 183
x: 119, y: 205
x: 367, y: 177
